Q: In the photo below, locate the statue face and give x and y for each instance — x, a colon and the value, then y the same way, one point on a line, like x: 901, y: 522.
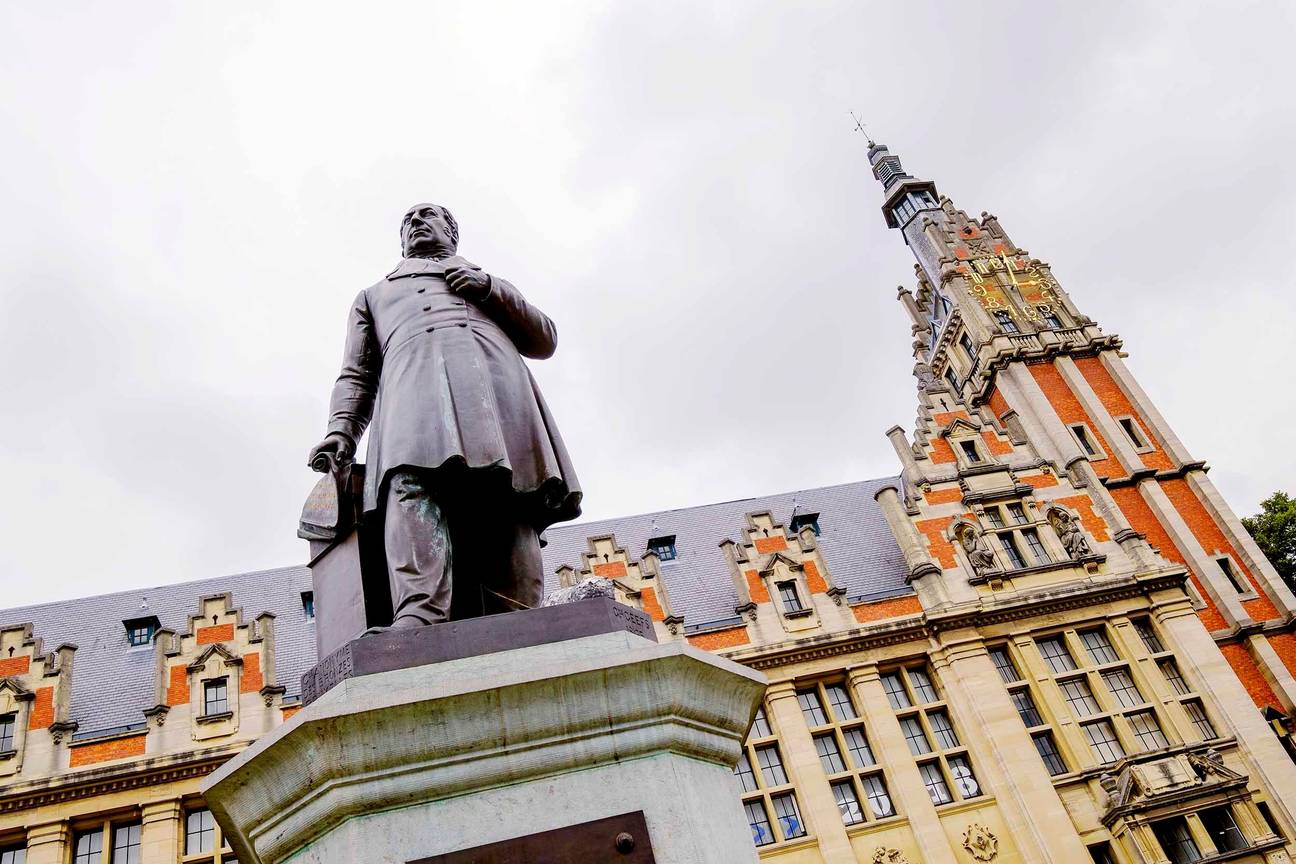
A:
x: 425, y: 231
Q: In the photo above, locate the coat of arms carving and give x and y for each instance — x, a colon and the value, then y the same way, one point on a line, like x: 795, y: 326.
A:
x: 883, y: 855
x: 980, y: 843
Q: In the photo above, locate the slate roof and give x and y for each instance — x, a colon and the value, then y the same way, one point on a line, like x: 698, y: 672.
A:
x: 112, y: 683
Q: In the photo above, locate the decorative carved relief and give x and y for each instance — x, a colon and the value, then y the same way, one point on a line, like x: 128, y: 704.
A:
x: 638, y: 584
x: 885, y: 855
x: 977, y: 549
x: 1068, y: 531
x: 980, y: 843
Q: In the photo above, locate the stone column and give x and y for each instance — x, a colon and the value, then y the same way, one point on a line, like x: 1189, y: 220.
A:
x: 1206, y: 569
x: 925, y: 575
x: 1145, y: 406
x: 49, y: 843
x: 802, y: 761
x: 1055, y: 441
x: 1274, y: 670
x: 913, y: 472
x: 892, y: 751
x: 1226, y: 699
x: 1006, y: 759
x: 160, y: 832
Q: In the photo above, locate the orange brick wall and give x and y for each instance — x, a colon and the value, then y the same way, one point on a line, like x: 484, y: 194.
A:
x: 998, y: 404
x: 648, y: 596
x: 1117, y: 404
x: 610, y: 570
x: 1285, y: 645
x: 219, y: 633
x: 1094, y: 523
x: 42, y: 710
x: 178, y: 686
x: 252, y: 679
x: 993, y: 444
x: 943, y: 496
x: 103, y: 751
x: 944, y: 418
x: 1212, y: 539
x: 940, y: 548
x: 941, y: 452
x: 718, y: 639
x: 1070, y: 410
x: 814, y: 579
x: 893, y: 607
x: 14, y: 666
x: 290, y: 711
x: 766, y: 545
x: 1249, y: 674
x: 1039, y: 481
x: 756, y: 587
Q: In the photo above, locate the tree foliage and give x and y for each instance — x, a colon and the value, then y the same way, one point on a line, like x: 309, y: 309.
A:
x: 1274, y: 530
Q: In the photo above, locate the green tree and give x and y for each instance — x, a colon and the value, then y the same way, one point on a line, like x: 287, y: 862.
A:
x: 1274, y: 530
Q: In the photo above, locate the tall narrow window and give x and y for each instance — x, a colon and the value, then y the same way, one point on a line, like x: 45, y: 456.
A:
x: 842, y: 707
x: 746, y: 776
x: 1055, y: 654
x: 1104, y: 741
x: 1197, y: 715
x: 215, y: 697
x: 1017, y: 513
x: 1147, y: 731
x: 1176, y: 841
x: 7, y: 723
x: 308, y: 604
x: 771, y: 765
x: 760, y: 725
x: 788, y: 816
x: 1226, y: 567
x: 951, y: 378
x: 1081, y: 433
x: 1132, y: 432
x: 970, y: 451
x: 1004, y: 664
x: 1148, y: 636
x: 13, y: 855
x: 847, y: 802
x: 1006, y: 323
x: 993, y: 517
x: 1009, y: 543
x: 200, y: 831
x: 969, y: 350
x: 935, y: 783
x: 895, y: 691
x: 88, y: 848
x: 1047, y: 749
x: 1050, y: 317
x: 1026, y: 709
x: 1078, y: 695
x: 758, y: 819
x: 1037, y: 550
x: 1122, y: 687
x: 126, y: 844
x: 1170, y: 670
x: 790, y: 597
x: 1223, y: 829
x: 1099, y: 646
x: 812, y: 707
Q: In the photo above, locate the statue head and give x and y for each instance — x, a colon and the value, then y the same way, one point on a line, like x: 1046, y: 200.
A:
x: 428, y: 231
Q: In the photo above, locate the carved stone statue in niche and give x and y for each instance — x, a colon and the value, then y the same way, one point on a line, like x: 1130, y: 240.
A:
x: 1068, y: 531
x: 977, y: 549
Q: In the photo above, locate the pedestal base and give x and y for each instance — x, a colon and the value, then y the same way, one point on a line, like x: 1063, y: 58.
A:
x: 410, y: 764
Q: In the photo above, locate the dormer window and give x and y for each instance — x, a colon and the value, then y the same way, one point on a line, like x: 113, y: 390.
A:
x: 308, y: 604
x: 215, y: 697
x: 7, y: 724
x: 791, y: 599
x: 801, y: 520
x: 140, y: 631
x: 970, y: 451
x: 1006, y: 323
x: 663, y: 547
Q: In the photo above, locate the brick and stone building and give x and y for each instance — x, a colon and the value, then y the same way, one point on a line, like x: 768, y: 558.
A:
x: 1048, y: 639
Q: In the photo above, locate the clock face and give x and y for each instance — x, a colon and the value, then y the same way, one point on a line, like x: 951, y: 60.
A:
x: 1007, y: 283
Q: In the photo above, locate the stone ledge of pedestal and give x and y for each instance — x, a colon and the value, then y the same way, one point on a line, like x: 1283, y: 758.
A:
x: 428, y: 733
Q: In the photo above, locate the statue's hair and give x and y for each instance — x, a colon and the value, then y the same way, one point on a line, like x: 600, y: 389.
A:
x: 449, y: 218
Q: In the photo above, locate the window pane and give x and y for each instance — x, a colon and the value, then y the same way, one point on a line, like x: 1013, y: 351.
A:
x: 1025, y: 706
x: 829, y: 754
x: 914, y: 734
x: 89, y: 848
x: 1099, y: 646
x: 858, y: 746
x: 840, y: 701
x: 964, y: 780
x: 1056, y: 655
x: 788, y: 594
x: 1176, y: 841
x: 1003, y: 662
x: 1220, y: 825
x: 1122, y: 686
x: 812, y: 707
x: 1079, y: 697
x: 879, y: 799
x: 200, y: 832
x: 1104, y: 742
x: 895, y: 691
x: 760, y: 725
x: 1198, y: 717
x: 771, y: 765
x: 1017, y: 514
x: 993, y: 517
x: 935, y: 783
x: 759, y: 821
x: 746, y: 776
x: 1148, y: 732
x: 215, y: 699
x: 1171, y: 672
x: 126, y: 844
x: 6, y: 733
x: 1037, y: 550
x: 941, y: 728
x: 1150, y: 639
x: 788, y: 816
x: 848, y: 802
x: 1047, y: 749
x: 1010, y: 549
x: 922, y: 686
x: 13, y: 855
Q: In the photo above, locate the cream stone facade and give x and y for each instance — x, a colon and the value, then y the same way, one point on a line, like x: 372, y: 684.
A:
x: 1048, y: 639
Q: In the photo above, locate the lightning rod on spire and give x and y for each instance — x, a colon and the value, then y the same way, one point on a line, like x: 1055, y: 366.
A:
x: 859, y: 127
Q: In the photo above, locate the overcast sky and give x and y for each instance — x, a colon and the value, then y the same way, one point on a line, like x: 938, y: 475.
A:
x: 194, y: 192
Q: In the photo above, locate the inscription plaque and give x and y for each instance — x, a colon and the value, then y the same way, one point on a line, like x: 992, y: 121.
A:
x: 616, y: 840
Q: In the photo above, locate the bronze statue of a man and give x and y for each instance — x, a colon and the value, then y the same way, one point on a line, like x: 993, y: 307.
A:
x: 465, y: 464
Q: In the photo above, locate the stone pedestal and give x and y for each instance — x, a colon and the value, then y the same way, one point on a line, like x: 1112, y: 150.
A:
x: 447, y: 762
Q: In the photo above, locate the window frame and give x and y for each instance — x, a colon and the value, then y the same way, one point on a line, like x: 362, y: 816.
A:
x: 938, y: 760
x: 1135, y: 433
x: 9, y: 722
x: 866, y: 776
x: 1089, y: 443
x: 207, y: 687
x: 1234, y: 575
x: 763, y: 737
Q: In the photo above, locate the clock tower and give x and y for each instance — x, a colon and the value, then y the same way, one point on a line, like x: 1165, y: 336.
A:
x: 1013, y: 376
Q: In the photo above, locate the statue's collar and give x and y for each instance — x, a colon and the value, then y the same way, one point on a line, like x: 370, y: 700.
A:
x: 428, y: 266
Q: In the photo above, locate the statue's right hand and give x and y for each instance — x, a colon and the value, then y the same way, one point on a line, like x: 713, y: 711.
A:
x: 334, y: 450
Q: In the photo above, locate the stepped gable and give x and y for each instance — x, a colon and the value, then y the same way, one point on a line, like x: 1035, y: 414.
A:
x: 115, y: 682
x: 854, y: 540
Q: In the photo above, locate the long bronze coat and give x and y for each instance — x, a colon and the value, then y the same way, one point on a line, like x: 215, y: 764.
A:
x: 443, y: 380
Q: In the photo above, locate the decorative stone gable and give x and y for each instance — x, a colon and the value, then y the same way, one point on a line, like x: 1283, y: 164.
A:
x: 638, y: 583
x: 35, y: 694
x: 779, y: 574
x: 206, y: 673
